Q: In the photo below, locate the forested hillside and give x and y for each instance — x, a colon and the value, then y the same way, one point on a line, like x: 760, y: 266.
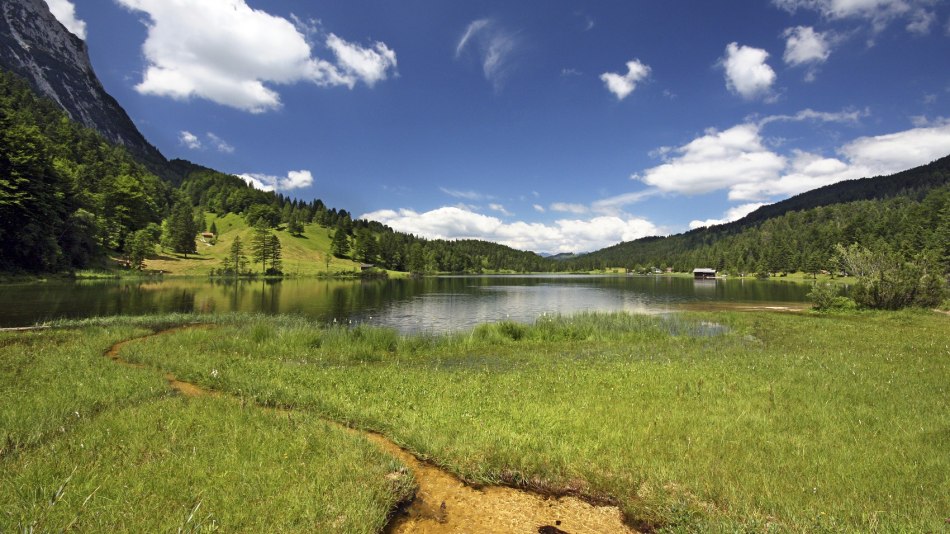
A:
x: 907, y: 213
x: 66, y: 195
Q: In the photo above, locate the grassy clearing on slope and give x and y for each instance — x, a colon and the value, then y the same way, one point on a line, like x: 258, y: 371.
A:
x: 800, y: 422
x: 93, y: 445
x: 304, y: 255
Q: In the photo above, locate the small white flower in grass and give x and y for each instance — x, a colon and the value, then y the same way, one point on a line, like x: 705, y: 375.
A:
x: 214, y: 373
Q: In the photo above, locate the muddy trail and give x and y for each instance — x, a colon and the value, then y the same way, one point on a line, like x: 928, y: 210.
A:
x: 445, y: 504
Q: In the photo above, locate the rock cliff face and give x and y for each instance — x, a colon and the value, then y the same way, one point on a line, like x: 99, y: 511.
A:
x: 34, y: 45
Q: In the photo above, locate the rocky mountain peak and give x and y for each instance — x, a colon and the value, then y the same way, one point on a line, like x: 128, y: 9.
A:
x: 34, y: 45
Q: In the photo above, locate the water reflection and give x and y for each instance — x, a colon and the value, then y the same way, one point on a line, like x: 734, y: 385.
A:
x: 430, y: 304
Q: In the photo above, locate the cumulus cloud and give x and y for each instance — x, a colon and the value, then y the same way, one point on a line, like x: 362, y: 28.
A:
x: 717, y: 160
x: 189, y: 140
x: 65, y: 13
x: 229, y: 53
x: 747, y: 73
x: 805, y: 46
x: 733, y: 214
x: 538, y: 208
x: 493, y: 45
x: 737, y: 160
x: 566, y: 235
x: 265, y: 182
x: 878, y: 12
x: 621, y: 85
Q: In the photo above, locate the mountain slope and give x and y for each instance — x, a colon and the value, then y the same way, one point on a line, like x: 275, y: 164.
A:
x: 908, y: 212
x: 35, y: 46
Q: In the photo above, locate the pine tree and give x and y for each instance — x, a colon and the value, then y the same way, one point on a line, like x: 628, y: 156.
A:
x: 340, y: 246
x: 274, y: 254
x: 259, y: 245
x: 182, y: 228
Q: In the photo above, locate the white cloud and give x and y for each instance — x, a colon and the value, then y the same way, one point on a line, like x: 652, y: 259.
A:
x: 189, y: 140
x: 733, y: 214
x: 538, y: 208
x: 738, y: 161
x: 465, y: 195
x: 231, y: 54
x: 747, y: 74
x: 293, y: 180
x: 65, y: 13
x: 567, y: 235
x: 852, y: 117
x: 921, y: 22
x: 621, y: 85
x: 494, y: 46
x: 369, y: 65
x: 613, y: 205
x: 565, y: 207
x: 500, y: 209
x: 884, y: 154
x: 804, y: 46
x: 717, y: 160
x: 220, y: 144
x: 878, y: 12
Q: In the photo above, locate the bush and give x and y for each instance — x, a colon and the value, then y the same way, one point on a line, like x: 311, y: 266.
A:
x: 826, y: 297
x: 888, y: 281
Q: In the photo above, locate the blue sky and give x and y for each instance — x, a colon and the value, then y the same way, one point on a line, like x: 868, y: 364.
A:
x: 549, y: 126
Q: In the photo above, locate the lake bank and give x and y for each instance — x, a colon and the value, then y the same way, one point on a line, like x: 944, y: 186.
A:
x: 799, y: 421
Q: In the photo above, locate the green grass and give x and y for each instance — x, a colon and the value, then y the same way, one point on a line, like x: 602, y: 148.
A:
x: 302, y: 256
x: 791, y: 422
x: 95, y: 446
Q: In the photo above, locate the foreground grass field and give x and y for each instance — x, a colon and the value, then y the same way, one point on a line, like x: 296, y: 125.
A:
x: 99, y: 447
x: 726, y: 421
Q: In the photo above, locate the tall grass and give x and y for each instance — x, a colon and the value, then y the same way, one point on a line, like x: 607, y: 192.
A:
x: 92, y: 445
x: 724, y: 421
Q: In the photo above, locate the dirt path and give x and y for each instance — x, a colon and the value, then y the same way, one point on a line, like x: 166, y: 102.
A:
x: 444, y: 504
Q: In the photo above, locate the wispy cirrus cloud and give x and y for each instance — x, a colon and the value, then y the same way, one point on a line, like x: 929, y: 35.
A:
x: 493, y: 45
x: 193, y: 142
x: 879, y: 13
x: 470, y: 195
x: 229, y: 53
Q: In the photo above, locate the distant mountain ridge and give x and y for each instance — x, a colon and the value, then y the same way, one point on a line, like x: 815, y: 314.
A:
x: 35, y: 46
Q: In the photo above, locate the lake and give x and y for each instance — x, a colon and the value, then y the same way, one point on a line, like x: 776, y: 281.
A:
x: 437, y: 304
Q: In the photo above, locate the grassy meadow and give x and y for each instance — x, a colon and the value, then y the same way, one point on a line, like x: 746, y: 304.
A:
x: 690, y: 422
x: 304, y: 255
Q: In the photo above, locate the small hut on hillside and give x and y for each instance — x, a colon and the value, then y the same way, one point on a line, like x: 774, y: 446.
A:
x: 704, y: 273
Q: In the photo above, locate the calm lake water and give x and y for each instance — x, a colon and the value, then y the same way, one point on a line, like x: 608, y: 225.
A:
x: 424, y: 305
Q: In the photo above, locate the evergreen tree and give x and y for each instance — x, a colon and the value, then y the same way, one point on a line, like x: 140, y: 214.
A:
x: 295, y: 227
x: 340, y: 246
x: 182, y: 228
x: 260, y: 251
x: 274, y: 255
x: 235, y: 261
